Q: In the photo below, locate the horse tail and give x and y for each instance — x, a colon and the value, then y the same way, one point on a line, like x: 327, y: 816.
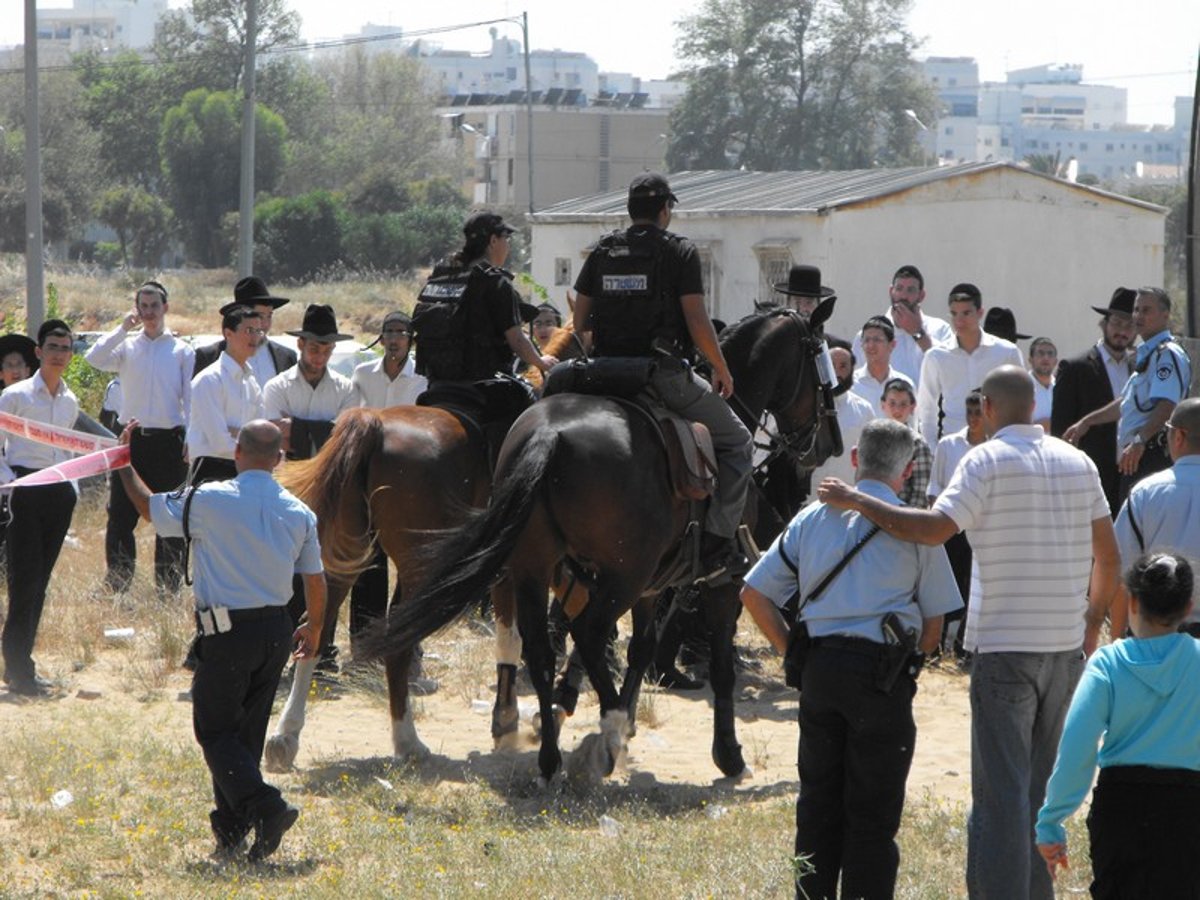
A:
x: 333, y: 484
x: 470, y: 558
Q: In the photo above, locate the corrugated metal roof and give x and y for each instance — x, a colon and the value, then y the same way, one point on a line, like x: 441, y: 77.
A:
x: 733, y: 191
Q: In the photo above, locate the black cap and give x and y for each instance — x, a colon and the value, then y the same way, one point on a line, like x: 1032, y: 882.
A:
x: 965, y: 291
x: 485, y: 224
x: 649, y: 185
x: 398, y: 316
x: 1001, y: 322
x: 1122, y: 302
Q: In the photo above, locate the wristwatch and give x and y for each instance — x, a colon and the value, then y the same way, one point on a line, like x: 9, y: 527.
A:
x: 919, y: 335
x: 1137, y: 439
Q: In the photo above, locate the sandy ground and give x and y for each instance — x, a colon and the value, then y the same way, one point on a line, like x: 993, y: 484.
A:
x: 348, y: 719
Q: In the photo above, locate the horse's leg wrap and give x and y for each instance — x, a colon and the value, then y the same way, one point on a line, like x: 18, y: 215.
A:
x: 283, y: 746
x: 505, y: 716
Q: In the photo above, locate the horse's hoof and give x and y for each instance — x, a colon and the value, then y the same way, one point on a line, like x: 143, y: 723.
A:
x: 733, y: 780
x: 729, y: 759
x: 509, y: 739
x: 560, y: 717
x: 280, y: 752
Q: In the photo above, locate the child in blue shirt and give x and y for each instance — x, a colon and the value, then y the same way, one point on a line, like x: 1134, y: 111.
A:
x: 1136, y: 714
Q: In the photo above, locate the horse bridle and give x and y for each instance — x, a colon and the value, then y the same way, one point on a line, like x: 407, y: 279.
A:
x: 797, y: 444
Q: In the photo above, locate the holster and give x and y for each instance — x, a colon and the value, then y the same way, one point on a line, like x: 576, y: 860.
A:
x: 798, y: 647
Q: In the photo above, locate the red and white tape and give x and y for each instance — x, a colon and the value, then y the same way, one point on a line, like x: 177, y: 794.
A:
x: 101, y: 454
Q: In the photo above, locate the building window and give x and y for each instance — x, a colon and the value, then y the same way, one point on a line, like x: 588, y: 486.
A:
x: 949, y: 129
x: 562, y: 271
x: 987, y: 142
x: 511, y: 72
x: 1108, y: 148
x: 1083, y: 145
x: 511, y: 169
x: 773, y: 267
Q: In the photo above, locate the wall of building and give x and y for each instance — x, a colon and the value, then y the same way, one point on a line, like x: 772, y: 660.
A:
x: 1046, y: 250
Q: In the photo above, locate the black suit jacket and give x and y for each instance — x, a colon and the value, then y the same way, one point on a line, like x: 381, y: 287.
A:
x: 1080, y: 386
x: 283, y: 358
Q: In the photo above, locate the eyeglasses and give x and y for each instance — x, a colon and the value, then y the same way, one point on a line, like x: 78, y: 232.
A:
x: 396, y: 332
x: 57, y: 348
x: 250, y: 329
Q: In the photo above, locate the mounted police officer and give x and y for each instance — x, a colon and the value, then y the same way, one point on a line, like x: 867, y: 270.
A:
x: 640, y: 294
x: 468, y: 327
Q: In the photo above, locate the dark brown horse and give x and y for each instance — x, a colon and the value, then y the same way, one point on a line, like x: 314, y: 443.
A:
x: 404, y: 473
x: 582, y: 483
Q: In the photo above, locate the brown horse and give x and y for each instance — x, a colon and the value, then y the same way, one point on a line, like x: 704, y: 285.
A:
x: 404, y: 473
x: 582, y: 483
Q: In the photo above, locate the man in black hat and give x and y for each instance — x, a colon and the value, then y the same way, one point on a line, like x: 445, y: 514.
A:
x: 18, y: 358
x: 1091, y: 380
x: 803, y: 289
x: 41, y: 515
x: 1002, y: 323
x: 270, y: 357
x: 155, y: 370
x: 640, y: 294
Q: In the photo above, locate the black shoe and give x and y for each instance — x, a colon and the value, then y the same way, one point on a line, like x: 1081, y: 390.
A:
x: 328, y: 663
x: 30, y: 687
x: 673, y: 679
x: 721, y: 557
x: 270, y: 831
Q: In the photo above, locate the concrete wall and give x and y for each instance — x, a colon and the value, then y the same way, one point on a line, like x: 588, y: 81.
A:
x: 1045, y: 250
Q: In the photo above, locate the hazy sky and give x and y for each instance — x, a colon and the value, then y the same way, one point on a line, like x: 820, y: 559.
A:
x: 1150, y: 48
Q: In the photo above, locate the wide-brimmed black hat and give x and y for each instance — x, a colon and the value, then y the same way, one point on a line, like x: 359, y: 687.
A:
x: 19, y: 343
x: 1122, y: 302
x: 529, y: 312
x: 252, y: 291
x: 804, y: 281
x: 320, y: 324
x: 1003, y: 324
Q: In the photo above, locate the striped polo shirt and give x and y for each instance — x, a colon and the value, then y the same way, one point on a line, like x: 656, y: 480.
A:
x: 1027, y: 502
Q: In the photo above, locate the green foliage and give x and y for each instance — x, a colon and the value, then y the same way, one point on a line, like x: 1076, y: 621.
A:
x: 396, y: 242
x: 798, y: 84
x: 109, y: 255
x: 124, y: 100
x: 142, y: 221
x: 1174, y: 197
x: 297, y: 237
x: 200, y: 146
x: 88, y: 383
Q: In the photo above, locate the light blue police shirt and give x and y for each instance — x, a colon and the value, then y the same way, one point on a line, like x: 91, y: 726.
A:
x: 249, y: 536
x: 886, y: 575
x: 1165, y: 377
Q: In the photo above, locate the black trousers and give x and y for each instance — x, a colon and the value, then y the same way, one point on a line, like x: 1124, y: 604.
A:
x: 856, y: 747
x: 1144, y: 835
x: 212, y: 468
x: 41, y: 517
x: 157, y: 456
x: 234, y: 685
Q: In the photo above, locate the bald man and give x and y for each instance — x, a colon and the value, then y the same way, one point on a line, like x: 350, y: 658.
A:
x: 1039, y: 525
x: 1162, y: 511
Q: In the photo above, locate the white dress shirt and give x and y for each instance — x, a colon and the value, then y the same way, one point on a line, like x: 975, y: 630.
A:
x: 262, y: 364
x: 948, y: 374
x: 156, y: 374
x: 289, y: 395
x: 1117, y: 367
x: 378, y: 391
x: 1043, y: 399
x: 853, y: 412
x: 31, y: 399
x: 224, y: 396
x: 907, y: 354
x: 871, y: 390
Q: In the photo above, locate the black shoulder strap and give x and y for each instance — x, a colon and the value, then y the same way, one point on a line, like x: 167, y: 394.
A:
x: 1137, y: 532
x: 187, y: 535
x: 832, y: 573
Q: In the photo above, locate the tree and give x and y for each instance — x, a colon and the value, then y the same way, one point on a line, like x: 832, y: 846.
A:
x: 200, y: 146
x: 142, y: 221
x: 296, y: 237
x: 798, y: 84
x: 205, y: 42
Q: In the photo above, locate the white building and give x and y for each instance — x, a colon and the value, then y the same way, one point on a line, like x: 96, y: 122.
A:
x: 100, y: 25
x: 1044, y: 247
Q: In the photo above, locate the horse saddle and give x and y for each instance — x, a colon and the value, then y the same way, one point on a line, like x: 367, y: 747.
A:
x: 488, y: 408
x: 690, y: 455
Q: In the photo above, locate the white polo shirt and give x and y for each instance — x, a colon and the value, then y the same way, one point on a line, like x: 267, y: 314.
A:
x: 1027, y: 502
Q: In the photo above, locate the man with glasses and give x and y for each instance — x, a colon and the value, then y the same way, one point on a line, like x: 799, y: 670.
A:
x: 270, y: 357
x: 155, y: 370
x: 225, y: 396
x: 41, y: 514
x: 1162, y: 511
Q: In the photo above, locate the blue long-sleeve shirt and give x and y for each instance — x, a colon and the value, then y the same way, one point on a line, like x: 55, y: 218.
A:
x: 1138, y: 695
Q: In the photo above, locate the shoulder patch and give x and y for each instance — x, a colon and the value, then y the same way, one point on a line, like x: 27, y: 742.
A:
x: 1164, y: 372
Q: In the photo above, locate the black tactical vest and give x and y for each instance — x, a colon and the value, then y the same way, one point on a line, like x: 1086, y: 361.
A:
x: 451, y: 327
x: 632, y: 312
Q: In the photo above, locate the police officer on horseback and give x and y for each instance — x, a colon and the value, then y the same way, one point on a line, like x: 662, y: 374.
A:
x: 640, y: 294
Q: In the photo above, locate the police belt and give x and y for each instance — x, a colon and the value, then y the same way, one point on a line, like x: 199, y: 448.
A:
x: 1148, y: 775
x: 860, y: 645
x: 238, y: 617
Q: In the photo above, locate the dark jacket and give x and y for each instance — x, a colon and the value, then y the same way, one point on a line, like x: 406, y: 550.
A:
x: 283, y: 358
x: 1081, y: 386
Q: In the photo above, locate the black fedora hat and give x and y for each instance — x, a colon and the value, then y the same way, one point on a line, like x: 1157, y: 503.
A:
x: 804, y: 281
x: 1122, y: 302
x: 19, y: 343
x: 320, y: 324
x: 252, y: 291
x: 1001, y: 322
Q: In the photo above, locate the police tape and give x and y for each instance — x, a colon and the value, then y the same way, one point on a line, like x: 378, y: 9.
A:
x: 101, y: 454
x: 54, y: 435
x: 106, y: 460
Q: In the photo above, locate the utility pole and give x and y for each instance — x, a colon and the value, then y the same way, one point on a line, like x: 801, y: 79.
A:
x: 528, y: 104
x: 1192, y: 223
x: 246, y: 201
x: 35, y: 281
